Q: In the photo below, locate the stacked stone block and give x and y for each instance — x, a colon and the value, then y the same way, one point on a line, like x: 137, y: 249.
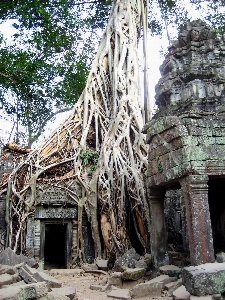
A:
x: 186, y: 137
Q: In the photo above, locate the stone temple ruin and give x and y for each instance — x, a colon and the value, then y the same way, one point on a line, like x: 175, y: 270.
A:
x: 186, y: 158
x: 186, y: 164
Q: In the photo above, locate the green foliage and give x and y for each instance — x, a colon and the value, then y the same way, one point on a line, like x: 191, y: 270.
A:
x: 90, y: 158
x: 43, y: 69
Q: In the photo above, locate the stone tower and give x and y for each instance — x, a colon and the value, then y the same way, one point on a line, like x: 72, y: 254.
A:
x: 186, y: 141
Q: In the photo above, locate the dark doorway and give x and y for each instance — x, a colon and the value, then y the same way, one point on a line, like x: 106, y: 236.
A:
x: 216, y: 194
x: 55, y: 246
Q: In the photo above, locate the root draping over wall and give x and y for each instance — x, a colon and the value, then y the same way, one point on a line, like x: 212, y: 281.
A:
x: 98, y: 156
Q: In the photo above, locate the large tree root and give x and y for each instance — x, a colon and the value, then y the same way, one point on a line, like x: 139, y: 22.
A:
x: 98, y: 156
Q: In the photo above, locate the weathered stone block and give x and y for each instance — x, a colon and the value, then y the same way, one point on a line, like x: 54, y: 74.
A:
x: 26, y: 276
x: 68, y: 291
x: 25, y: 292
x: 6, y: 279
x: 119, y: 294
x: 8, y: 257
x: 56, y: 296
x: 170, y: 270
x: 102, y: 264
x: 181, y: 293
x: 206, y: 279
x: 151, y: 288
x: 220, y: 257
x: 172, y: 286
x: 52, y: 282
x: 133, y: 274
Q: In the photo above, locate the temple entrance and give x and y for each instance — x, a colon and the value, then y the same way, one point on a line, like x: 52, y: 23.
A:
x: 55, y: 246
x: 216, y: 194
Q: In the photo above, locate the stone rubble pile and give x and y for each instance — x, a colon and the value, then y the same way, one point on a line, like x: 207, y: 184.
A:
x: 169, y: 282
x: 203, y: 282
x: 20, y: 281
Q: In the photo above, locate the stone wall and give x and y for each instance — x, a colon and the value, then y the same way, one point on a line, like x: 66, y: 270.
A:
x: 187, y: 140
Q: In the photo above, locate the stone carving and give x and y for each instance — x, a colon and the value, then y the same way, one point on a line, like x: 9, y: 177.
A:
x: 187, y: 141
x: 56, y: 213
x: 193, y: 74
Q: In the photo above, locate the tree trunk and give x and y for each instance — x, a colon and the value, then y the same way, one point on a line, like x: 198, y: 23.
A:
x: 107, y: 119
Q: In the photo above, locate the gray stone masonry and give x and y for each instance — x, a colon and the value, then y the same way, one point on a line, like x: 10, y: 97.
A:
x: 133, y: 274
x: 123, y: 294
x: 25, y: 292
x: 206, y: 279
x: 181, y: 293
x: 152, y: 287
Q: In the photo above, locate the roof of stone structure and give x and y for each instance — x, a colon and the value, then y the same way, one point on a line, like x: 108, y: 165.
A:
x: 193, y: 72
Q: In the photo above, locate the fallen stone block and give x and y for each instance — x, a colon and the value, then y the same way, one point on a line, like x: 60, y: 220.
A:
x: 9, y: 257
x: 96, y: 287
x: 102, y: 264
x: 148, y: 259
x: 133, y: 274
x: 6, y: 279
x: 56, y: 296
x: 24, y: 292
x: 170, y: 270
x: 127, y: 260
x: 206, y: 279
x: 66, y: 272
x: 207, y: 297
x: 5, y: 269
x: 141, y: 264
x: 172, y: 286
x: 26, y: 276
x: 67, y: 291
x: 120, y: 294
x: 21, y: 282
x: 181, y: 293
x: 220, y: 257
x: 151, y: 288
x: 51, y: 281
x: 89, y: 267
x: 115, y: 279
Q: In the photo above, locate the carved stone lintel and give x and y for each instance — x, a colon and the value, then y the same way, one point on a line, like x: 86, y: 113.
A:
x: 56, y: 213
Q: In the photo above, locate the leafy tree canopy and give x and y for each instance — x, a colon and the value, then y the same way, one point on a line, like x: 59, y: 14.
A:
x: 43, y: 67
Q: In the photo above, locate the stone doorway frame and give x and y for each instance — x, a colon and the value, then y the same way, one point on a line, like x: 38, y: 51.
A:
x: 68, y: 243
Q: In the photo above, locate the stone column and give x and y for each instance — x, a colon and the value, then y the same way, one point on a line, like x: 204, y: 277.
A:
x: 195, y: 193
x: 30, y: 236
x: 158, y: 237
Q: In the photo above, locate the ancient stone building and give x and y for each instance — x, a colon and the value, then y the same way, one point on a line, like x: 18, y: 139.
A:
x: 51, y: 231
x: 186, y: 141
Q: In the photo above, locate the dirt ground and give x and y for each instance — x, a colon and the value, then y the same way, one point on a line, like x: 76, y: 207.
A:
x: 82, y: 284
x: 83, y: 281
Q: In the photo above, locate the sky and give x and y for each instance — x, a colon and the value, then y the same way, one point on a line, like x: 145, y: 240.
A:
x: 157, y: 47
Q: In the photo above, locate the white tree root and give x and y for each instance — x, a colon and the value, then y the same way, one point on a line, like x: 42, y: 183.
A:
x: 107, y: 118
